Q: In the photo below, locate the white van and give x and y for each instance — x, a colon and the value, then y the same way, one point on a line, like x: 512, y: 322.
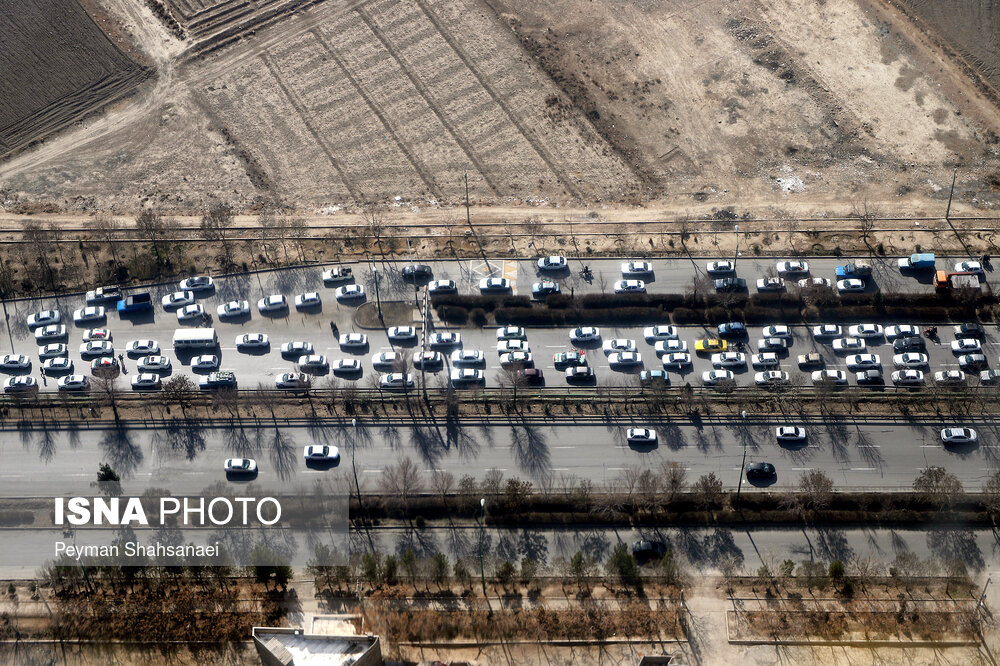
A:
x: 195, y: 338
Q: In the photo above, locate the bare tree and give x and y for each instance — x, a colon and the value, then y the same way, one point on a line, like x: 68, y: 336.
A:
x: 938, y: 486
x: 215, y: 225
x: 178, y: 389
x: 401, y: 481
x: 867, y: 215
x: 708, y: 490
x: 991, y: 494
x: 817, y: 488
x: 151, y: 228
x: 443, y: 482
x: 512, y: 377
x: 674, y: 478
x: 109, y: 230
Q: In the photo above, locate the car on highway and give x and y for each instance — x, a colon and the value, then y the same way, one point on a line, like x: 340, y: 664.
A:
x: 762, y: 471
x: 625, y: 358
x: 353, y: 341
x: 949, y: 377
x: 968, y: 267
x: 973, y: 330
x: 720, y: 267
x: 790, y: 434
x: 640, y: 436
x: 396, y: 381
x: 530, y: 376
x: 292, y: 381
x: 902, y: 345
x: 731, y: 329
x: 313, y: 362
x: 442, y: 287
x: 96, y: 334
x: 579, y: 373
x: 815, y: 283
x: 540, y: 290
x: 154, y: 364
x: 349, y: 292
x: 345, y: 366
x: 829, y: 377
x: 52, y: 350
x: 972, y: 361
x: 646, y: 550
x: 44, y: 318
x: 910, y: 360
x: 89, y: 313
x: 505, y: 346
x: 57, y: 366
x: 16, y: 361
x: 310, y: 299
x: 218, y: 379
x: 869, y: 377
x: 190, y: 313
x: 866, y: 331
x: 20, y: 384
x: 901, y: 331
x: 511, y: 333
x: 234, y: 309
x: 730, y: 284
x: 654, y: 378
x: 429, y: 360
x: 417, y: 273
x: 178, y: 299
x: 444, y: 340
x: 585, y: 334
x: 104, y: 366
x: 670, y: 346
x: 197, y: 283
x: 619, y: 344
x: 50, y: 332
x: 966, y: 346
x: 465, y: 376
x: 205, y: 362
x: 959, y: 436
x: 321, y: 453
x: 792, y: 267
x: 276, y: 303
x: 630, y: 287
x: 773, y: 344
x: 145, y: 381
x: 708, y: 345
x: 96, y: 348
x: 253, y: 341
x: 827, y: 331
x: 771, y: 378
x: 402, y: 333
x: 715, y: 377
x: 908, y: 377
x: 73, y: 383
x: 850, y: 286
x: 337, y: 275
x: 636, y: 268
x: 661, y: 332
x: 989, y: 377
x: 776, y: 331
x: 240, y: 466
x: 729, y: 360
x: 103, y: 295
x: 848, y: 344
x: 563, y: 360
x: 863, y: 362
x: 296, y: 348
x: 676, y: 360
x: 770, y: 284
x: 553, y: 263
x: 467, y: 357
x: 510, y: 359
x: 494, y: 285
x: 764, y: 360
x: 142, y: 348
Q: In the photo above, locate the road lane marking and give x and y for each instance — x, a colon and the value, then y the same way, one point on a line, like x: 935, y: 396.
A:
x: 862, y: 469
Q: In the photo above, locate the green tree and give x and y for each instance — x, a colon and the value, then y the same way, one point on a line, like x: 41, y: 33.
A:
x: 439, y: 568
x: 108, y: 481
x: 623, y: 566
x: 529, y: 571
x: 505, y: 574
x: 409, y: 563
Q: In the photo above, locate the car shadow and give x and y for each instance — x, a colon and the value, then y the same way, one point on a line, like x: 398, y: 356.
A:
x: 138, y: 318
x: 241, y: 477
x: 310, y: 309
x: 762, y: 483
x: 323, y: 465
x: 254, y: 351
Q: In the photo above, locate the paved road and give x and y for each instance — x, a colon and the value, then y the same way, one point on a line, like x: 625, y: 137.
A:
x: 57, y: 463
x: 252, y: 369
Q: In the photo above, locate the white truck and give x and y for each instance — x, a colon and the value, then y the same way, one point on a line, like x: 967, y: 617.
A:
x: 195, y: 338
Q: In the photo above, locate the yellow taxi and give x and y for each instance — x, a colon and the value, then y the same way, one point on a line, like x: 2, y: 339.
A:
x: 710, y: 345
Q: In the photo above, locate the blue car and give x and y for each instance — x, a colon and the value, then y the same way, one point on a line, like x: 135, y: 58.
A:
x: 732, y: 329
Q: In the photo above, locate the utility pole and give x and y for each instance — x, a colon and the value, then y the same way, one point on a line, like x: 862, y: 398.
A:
x: 361, y: 506
x: 378, y: 298
x: 468, y: 219
x: 947, y: 211
x: 736, y: 253
x: 482, y: 536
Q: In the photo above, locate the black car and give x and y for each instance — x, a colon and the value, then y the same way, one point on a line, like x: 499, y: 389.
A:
x: 532, y: 376
x: 731, y: 284
x: 647, y: 550
x: 760, y: 470
x: 908, y: 344
x: 417, y: 272
x: 969, y: 331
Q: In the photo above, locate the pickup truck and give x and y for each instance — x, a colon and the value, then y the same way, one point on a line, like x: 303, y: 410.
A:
x: 136, y: 303
x: 859, y: 269
x: 917, y: 261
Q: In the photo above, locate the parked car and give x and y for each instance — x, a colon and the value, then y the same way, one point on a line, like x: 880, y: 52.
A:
x: 770, y: 284
x: 313, y: 363
x: 661, y: 332
x: 402, y: 333
x: 89, y: 313
x: 177, y: 299
x: 417, y: 272
x: 619, y: 344
x: 190, y: 313
x: 353, y: 341
x: 771, y: 378
x: 720, y: 267
x: 337, y: 275
x: 833, y: 377
x: 636, y: 268
x: 863, y: 361
x: 233, y: 309
x: 867, y: 331
x: 676, y: 360
x: 715, y: 377
x: 205, y: 362
x: 540, y: 290
x: 310, y: 299
x: 669, y: 346
x: 850, y: 286
x: 511, y: 333
x: 253, y: 341
x: 50, y: 332
x: 444, y: 339
x: 145, y: 381
x: 349, y: 292
x: 901, y: 331
x: 197, y: 283
x: 585, y: 334
x: 15, y: 361
x: 732, y: 329
x: 44, y: 318
x: 793, y: 267
x: 951, y: 377
x: 630, y: 287
x: 973, y: 330
x: 292, y: 381
x: 910, y: 360
x: 729, y: 360
x: 442, y: 287
x: 710, y: 345
x: 142, y: 348
x: 494, y: 285
x: 553, y: 263
x: 908, y: 377
x: 396, y: 381
x: 730, y: 284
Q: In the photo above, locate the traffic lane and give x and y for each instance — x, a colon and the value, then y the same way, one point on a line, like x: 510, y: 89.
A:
x: 189, y: 459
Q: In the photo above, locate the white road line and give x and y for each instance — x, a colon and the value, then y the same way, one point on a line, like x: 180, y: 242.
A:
x: 863, y: 469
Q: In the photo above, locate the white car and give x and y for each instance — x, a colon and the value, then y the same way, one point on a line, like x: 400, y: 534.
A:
x: 104, y: 366
x: 52, y: 350
x: 729, y: 360
x: 468, y: 357
x: 345, y: 366
x: 145, y: 381
x: 321, y: 453
x: 494, y: 284
x: 719, y: 267
x: 44, y: 318
x: 511, y: 333
x: 848, y: 344
x: 273, y: 303
x: 662, y: 332
x: 22, y: 384
x: 50, y: 332
x: 770, y: 284
x: 630, y: 287
x: 252, y: 341
x: 467, y: 376
x: 850, y: 285
x: 910, y: 360
x: 353, y: 341
x: 313, y: 362
x: 96, y: 334
x: 676, y: 360
x: 773, y: 344
x: 350, y: 292
x: 790, y: 434
x: 835, y: 377
x: 506, y: 346
x: 863, y: 362
x: 585, y: 334
x: 310, y: 299
x: 949, y: 377
x: 713, y: 377
x: 625, y: 358
x: 205, y: 362
x: 636, y: 268
x: 641, y: 436
x: 386, y: 360
x: 154, y: 364
x: 292, y: 381
x: 337, y: 275
x: 191, y: 313
x: 402, y: 333
x: 234, y: 309
x: 792, y: 267
x: 770, y: 378
x: 296, y: 348
x: 516, y: 358
x: 670, y: 346
x: 442, y: 287
x: 240, y: 466
x: 866, y: 331
x: 553, y: 263
x: 444, y: 339
x: 901, y: 331
x: 58, y: 365
x: 966, y: 346
x: 89, y: 313
x: 809, y: 283
x: 619, y: 344
x: 908, y: 377
x: 764, y: 360
x: 142, y: 347
x: 959, y: 436
x: 197, y: 283
x: 73, y: 383
x: 827, y: 331
x: 776, y: 331
x: 178, y: 299
x: 16, y: 361
x: 96, y: 348
x: 396, y: 380
x: 968, y: 267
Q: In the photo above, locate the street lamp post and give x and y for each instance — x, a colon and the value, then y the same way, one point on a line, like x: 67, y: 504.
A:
x: 482, y: 536
x: 378, y: 297
x: 739, y: 488
x: 736, y: 254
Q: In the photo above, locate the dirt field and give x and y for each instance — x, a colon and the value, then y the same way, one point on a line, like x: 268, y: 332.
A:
x: 756, y: 104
